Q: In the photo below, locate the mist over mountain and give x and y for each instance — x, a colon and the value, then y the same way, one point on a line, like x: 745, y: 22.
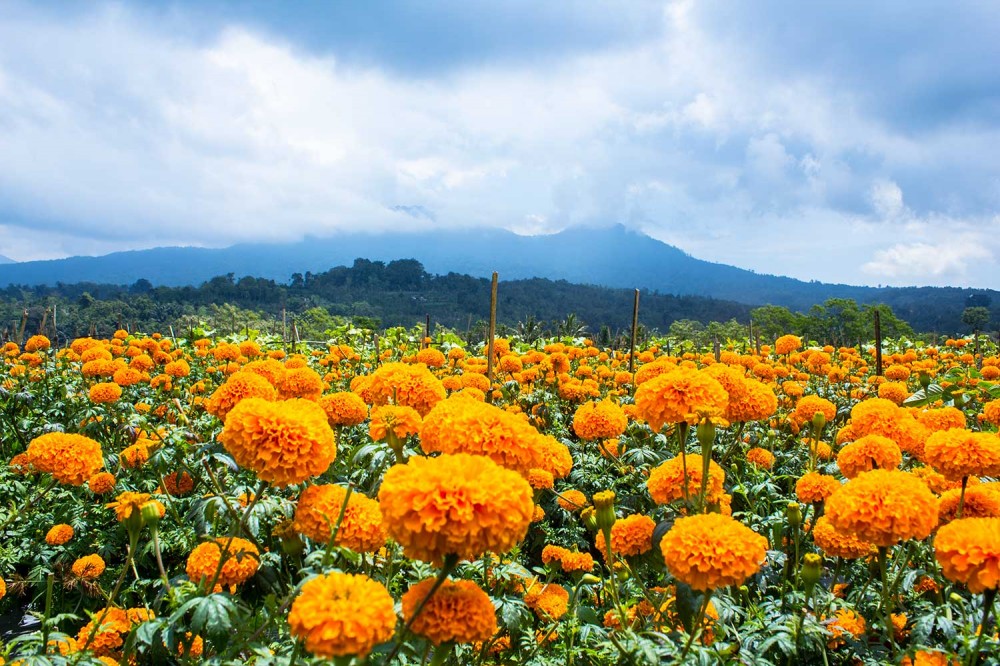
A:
x: 611, y: 257
x: 6, y: 260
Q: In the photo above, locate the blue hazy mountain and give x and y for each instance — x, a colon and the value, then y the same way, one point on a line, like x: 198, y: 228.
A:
x: 612, y: 257
x: 5, y: 260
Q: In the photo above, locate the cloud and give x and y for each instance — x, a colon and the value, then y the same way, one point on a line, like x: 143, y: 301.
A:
x: 950, y: 259
x: 737, y: 136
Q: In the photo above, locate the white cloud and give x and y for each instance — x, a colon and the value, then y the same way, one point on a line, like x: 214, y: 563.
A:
x: 947, y: 261
x: 887, y: 199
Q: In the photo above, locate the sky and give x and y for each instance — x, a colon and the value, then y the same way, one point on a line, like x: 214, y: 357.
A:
x: 852, y: 142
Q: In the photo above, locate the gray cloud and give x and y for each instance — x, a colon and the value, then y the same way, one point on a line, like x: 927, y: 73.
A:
x: 782, y: 139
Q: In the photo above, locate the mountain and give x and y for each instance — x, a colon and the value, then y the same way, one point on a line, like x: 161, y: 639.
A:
x: 6, y: 260
x: 611, y: 257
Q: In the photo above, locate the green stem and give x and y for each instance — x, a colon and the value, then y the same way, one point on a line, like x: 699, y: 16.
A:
x: 988, y: 597
x: 883, y: 555
x: 450, y: 562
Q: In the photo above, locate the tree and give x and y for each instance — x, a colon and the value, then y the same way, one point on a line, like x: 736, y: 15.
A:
x: 977, y: 318
x: 770, y: 322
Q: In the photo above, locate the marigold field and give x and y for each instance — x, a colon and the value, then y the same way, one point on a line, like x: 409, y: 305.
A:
x: 235, y: 501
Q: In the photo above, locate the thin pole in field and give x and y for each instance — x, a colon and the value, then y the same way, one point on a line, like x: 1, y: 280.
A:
x: 878, y: 344
x: 635, y: 332
x: 493, y: 331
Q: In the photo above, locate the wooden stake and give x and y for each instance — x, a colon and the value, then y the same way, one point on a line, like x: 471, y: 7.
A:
x: 717, y: 349
x: 635, y: 332
x: 24, y: 322
x: 878, y: 344
x: 45, y: 320
x: 427, y: 332
x: 492, y: 333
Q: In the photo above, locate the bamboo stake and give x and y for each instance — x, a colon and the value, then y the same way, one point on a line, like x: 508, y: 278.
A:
x: 635, y: 332
x: 493, y: 331
x: 878, y: 344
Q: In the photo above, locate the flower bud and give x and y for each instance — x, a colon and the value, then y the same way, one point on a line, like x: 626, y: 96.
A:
x: 794, y: 515
x: 589, y: 517
x: 819, y: 422
x: 151, y: 514
x: 604, y: 503
x: 812, y: 569
x: 925, y: 380
x: 706, y: 434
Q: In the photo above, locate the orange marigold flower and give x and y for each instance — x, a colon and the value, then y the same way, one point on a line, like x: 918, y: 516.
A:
x: 271, y: 370
x: 458, y: 612
x: 884, y: 507
x: 361, y: 528
x: 37, y: 343
x: 599, y: 420
x: 103, y: 634
x: 403, y: 384
x: 70, y: 459
x: 894, y: 391
x: 944, y: 418
x: 845, y: 620
x: 867, y: 453
x: 344, y: 408
x: 786, y: 344
x: 991, y: 412
x: 455, y: 504
x: 968, y: 550
x: 432, y: 358
x: 128, y: 502
x: 177, y: 369
x: 178, y: 484
x: 540, y: 479
x: 238, y: 387
x: 839, y: 544
x: 710, y: 550
x: 981, y: 501
x: 339, y: 614
x: 957, y: 453
x: 572, y: 500
x: 549, y: 601
x: 127, y: 377
x: 666, y: 482
x: 105, y: 392
x: 813, y: 487
x: 135, y: 455
x: 301, y: 382
x: 396, y: 419
x: 241, y: 562
x: 878, y: 416
x: 630, y: 536
x: 760, y: 457
x: 101, y: 483
x: 930, y: 658
x: 749, y: 399
x: 59, y: 534
x: 683, y: 394
x: 283, y: 442
x: 89, y: 566
x: 570, y: 561
x: 461, y: 425
x: 808, y: 405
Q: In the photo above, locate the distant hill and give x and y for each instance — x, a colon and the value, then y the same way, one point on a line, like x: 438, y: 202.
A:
x: 6, y: 260
x: 611, y: 257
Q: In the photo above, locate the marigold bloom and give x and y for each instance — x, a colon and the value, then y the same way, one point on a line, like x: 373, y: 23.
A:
x: 894, y: 391
x: 760, y: 457
x: 178, y: 484
x: 105, y: 393
x: 177, y: 369
x: 813, y: 487
x: 808, y: 405
x: 37, y: 343
x: 572, y: 500
x: 101, y: 483
x: 549, y: 601
x: 402, y: 384
x: 59, y: 534
x: 458, y: 612
x: 283, y: 442
x: 839, y: 544
x: 89, y: 566
x: 968, y: 550
x: 630, y: 536
x: 340, y: 614
x: 845, y: 620
x: 749, y: 399
x: 982, y: 501
x: 786, y: 344
x: 683, y: 394
x: 344, y: 408
x: 944, y: 418
x: 319, y: 507
x: 884, y: 507
x: 135, y: 455
x: 70, y: 459
x: 709, y: 551
x: 957, y: 453
x: 455, y: 504
x: 570, y: 561
x: 461, y: 425
x: 128, y: 502
x: 432, y: 358
x: 242, y: 560
x: 599, y: 420
x: 878, y: 416
x: 301, y: 383
x: 930, y: 658
x: 868, y: 452
x: 239, y: 386
x: 104, y: 632
x: 399, y: 420
x: 991, y: 412
x: 666, y: 482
